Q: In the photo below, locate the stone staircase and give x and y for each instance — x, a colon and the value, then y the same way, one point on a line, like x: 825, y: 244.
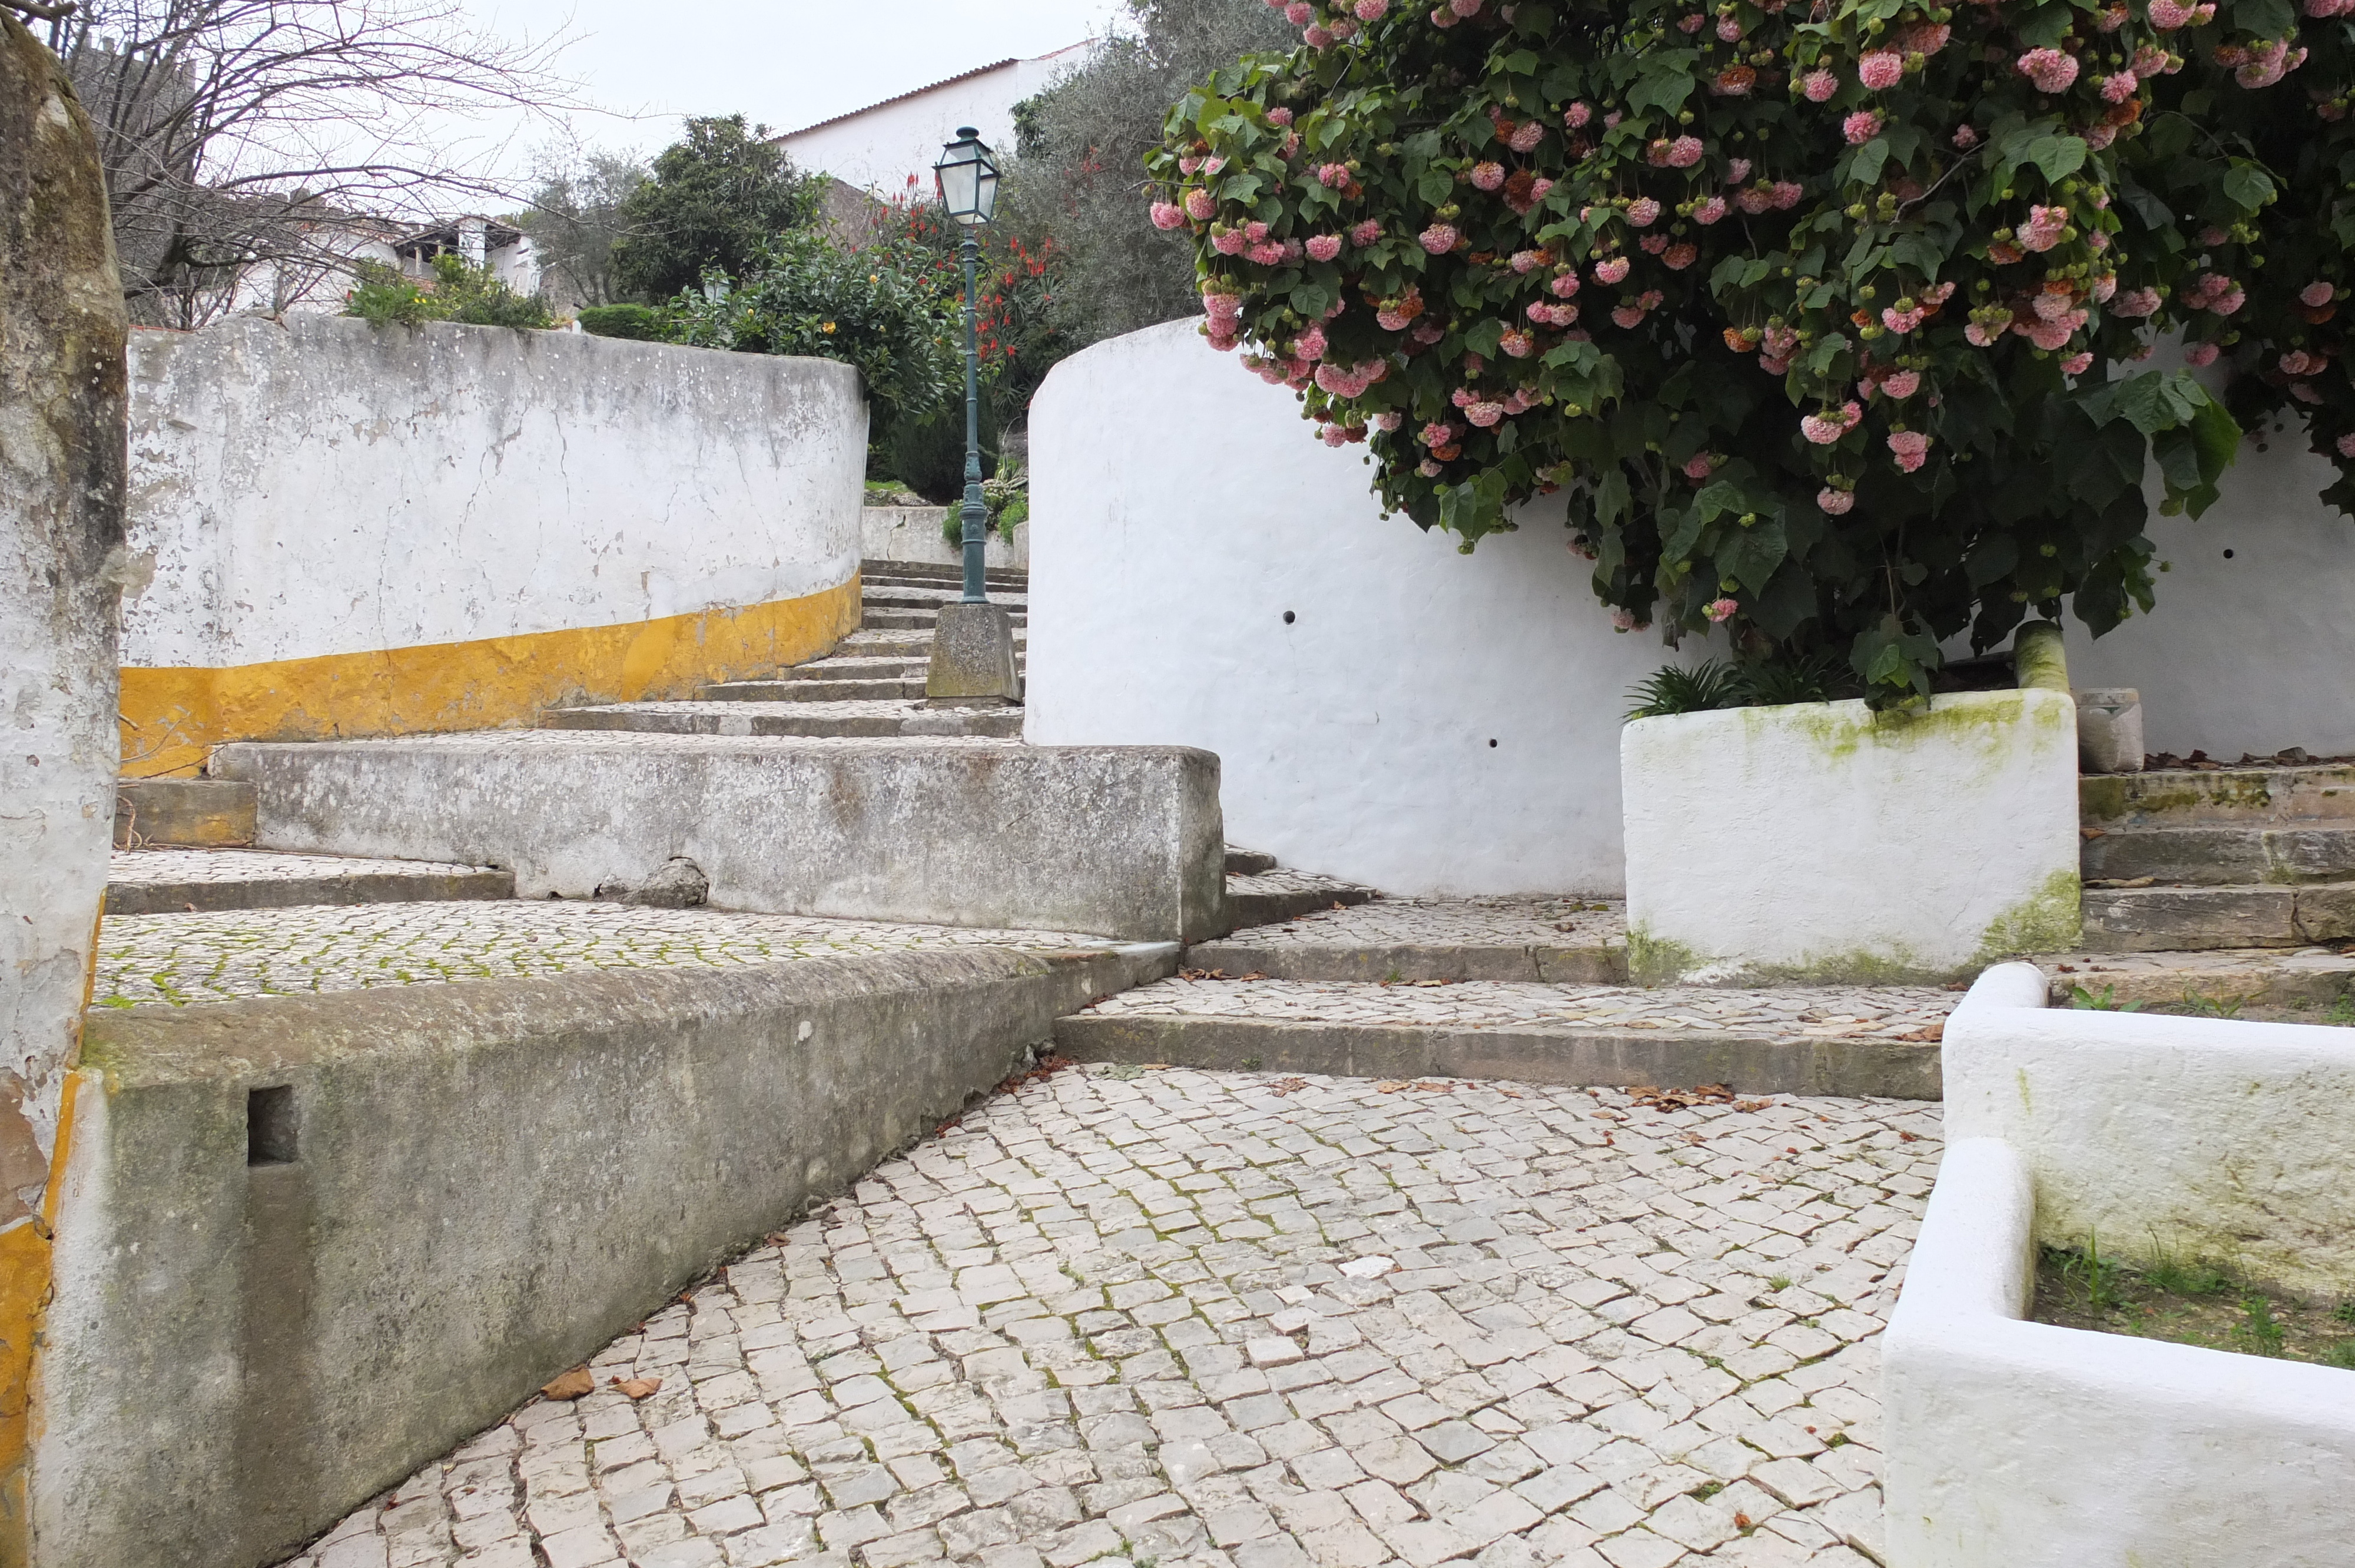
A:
x: 871, y: 685
x: 2193, y: 859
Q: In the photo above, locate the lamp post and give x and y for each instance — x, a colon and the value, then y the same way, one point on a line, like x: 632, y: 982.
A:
x: 967, y: 177
x: 972, y: 640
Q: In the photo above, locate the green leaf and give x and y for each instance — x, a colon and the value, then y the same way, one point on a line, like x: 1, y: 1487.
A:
x: 1611, y: 497
x: 2265, y: 18
x: 2247, y: 186
x: 2058, y: 156
x: 1750, y: 554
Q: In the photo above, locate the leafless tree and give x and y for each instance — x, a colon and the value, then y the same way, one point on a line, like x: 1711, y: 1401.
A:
x: 575, y: 217
x: 240, y: 136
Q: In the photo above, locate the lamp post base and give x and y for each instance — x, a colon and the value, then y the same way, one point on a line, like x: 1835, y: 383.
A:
x: 972, y: 657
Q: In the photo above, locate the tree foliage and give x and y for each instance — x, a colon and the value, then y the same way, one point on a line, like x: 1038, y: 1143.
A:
x: 458, y: 293
x: 1822, y: 322
x: 575, y: 219
x: 714, y: 198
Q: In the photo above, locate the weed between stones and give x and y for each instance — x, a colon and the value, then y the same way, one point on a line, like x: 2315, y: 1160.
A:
x: 2190, y: 1301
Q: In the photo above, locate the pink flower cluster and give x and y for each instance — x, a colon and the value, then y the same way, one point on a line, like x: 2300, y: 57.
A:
x: 2119, y: 85
x: 1517, y: 344
x: 1198, y: 204
x: 2042, y: 230
x: 1577, y: 115
x: 1564, y: 285
x: 1824, y: 429
x: 1898, y: 384
x: 2051, y: 69
x: 1526, y: 136
x: 1332, y: 176
x: 1611, y: 269
x: 2168, y: 15
x: 1366, y: 232
x: 1439, y: 239
x: 1323, y: 247
x: 2262, y: 65
x: 2200, y: 354
x: 1901, y: 321
x: 1835, y: 501
x: 1777, y: 197
x: 2345, y: 445
x: 2135, y: 304
x: 1880, y: 70
x: 1371, y: 10
x: 1552, y: 315
x: 1678, y: 257
x: 1643, y: 212
x: 2211, y: 292
x: 1912, y: 449
x: 2079, y: 363
x: 1701, y: 465
x: 1351, y: 381
x: 1861, y: 126
x: 2314, y: 296
x: 1710, y: 211
x: 1168, y: 215
x: 1722, y: 609
x: 1488, y: 177
x: 1682, y: 153
x: 1925, y: 37
x: 1819, y: 85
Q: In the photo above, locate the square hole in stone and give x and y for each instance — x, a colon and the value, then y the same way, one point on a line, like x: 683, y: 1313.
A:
x: 270, y: 1125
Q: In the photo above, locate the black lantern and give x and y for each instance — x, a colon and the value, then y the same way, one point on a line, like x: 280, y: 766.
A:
x: 967, y: 174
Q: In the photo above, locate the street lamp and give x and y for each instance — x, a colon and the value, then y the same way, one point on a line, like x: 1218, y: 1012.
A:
x: 967, y: 177
x: 972, y: 640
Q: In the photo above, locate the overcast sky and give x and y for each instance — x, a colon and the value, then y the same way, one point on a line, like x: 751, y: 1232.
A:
x: 788, y: 63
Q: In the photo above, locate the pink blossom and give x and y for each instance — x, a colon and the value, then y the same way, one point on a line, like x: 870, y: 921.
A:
x: 1624, y: 619
x: 1430, y: 468
x: 1565, y: 284
x: 1729, y: 29
x: 1861, y: 127
x: 1187, y: 165
x: 2111, y: 19
x: 1911, y: 447
x: 1224, y: 342
x: 1881, y: 70
x: 1267, y: 253
x: 1279, y: 118
x: 1436, y: 434
x: 1774, y: 365
x: 2314, y: 296
x: 1611, y: 269
x: 1900, y: 321
x: 1643, y: 212
x: 2345, y: 445
x: 1255, y: 232
x: 1698, y: 466
x: 1526, y: 136
x: 1577, y: 114
x: 2135, y: 303
x: 2267, y: 63
x: 1198, y: 204
x: 1527, y: 261
x: 2200, y: 354
x: 1681, y: 256
x: 1738, y: 170
x: 2168, y: 15
x: 1902, y: 384
x: 1371, y: 10
x: 1332, y: 176
x: 1785, y: 194
x: 1835, y: 501
x: 1323, y: 247
x: 1710, y: 211
x: 1387, y: 420
x: 1439, y: 239
x: 2043, y: 333
x: 1755, y: 199
x: 1228, y: 241
x: 2042, y: 230
x: 1367, y: 232
x: 1298, y: 13
x: 1981, y: 335
x: 2119, y: 87
x: 1926, y: 38
x: 2297, y: 362
x: 2051, y: 69
x: 1966, y: 137
x: 1317, y: 39
x: 1722, y: 609
x: 1684, y: 152
x: 1819, y: 85
x: 1630, y: 316
x: 1333, y: 436
x: 1464, y: 7
x: 1488, y: 177
x: 1309, y: 345
x: 1427, y: 333
x: 1484, y: 414
x: 2105, y: 285
x: 2079, y: 363
x: 1222, y: 307
x: 1168, y: 215
x: 1691, y: 23
x: 1936, y: 293
x: 2052, y: 306
x: 1390, y: 320
x: 1515, y: 344
x: 1823, y: 429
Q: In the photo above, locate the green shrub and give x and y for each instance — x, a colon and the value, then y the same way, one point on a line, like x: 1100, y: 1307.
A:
x: 641, y: 323
x: 460, y: 292
x: 928, y: 453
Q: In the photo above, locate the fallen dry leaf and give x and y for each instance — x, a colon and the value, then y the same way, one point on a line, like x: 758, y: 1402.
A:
x: 1754, y: 1104
x: 639, y: 1387
x: 1202, y: 974
x: 1681, y: 1099
x: 1933, y: 1032
x: 571, y: 1385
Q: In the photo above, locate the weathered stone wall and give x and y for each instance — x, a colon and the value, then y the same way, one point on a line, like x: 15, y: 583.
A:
x: 269, y: 1309
x: 61, y: 464
x: 363, y: 531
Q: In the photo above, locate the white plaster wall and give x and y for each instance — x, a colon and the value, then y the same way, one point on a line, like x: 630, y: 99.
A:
x: 913, y: 534
x: 879, y: 149
x: 2018, y: 1444
x: 2205, y: 1135
x: 2252, y: 652
x: 1828, y: 840
x: 1180, y: 506
x: 321, y: 486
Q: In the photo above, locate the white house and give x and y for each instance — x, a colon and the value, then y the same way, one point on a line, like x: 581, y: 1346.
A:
x: 886, y: 147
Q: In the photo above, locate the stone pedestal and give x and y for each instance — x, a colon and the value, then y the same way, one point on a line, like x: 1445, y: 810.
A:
x: 972, y: 657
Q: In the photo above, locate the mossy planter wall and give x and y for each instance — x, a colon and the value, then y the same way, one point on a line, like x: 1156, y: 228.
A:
x: 1825, y: 842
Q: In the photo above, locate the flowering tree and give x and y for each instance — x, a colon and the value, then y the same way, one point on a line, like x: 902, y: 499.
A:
x: 1822, y: 320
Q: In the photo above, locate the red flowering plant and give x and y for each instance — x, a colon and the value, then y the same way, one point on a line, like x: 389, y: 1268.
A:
x: 1822, y: 320
x: 1017, y: 333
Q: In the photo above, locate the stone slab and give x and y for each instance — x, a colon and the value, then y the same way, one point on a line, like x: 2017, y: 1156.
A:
x: 1409, y: 962
x: 2143, y: 919
x: 2180, y: 797
x: 874, y: 718
x: 308, y: 1244
x: 973, y: 654
x: 211, y: 813
x: 2217, y: 854
x: 1282, y: 894
x: 1122, y: 840
x: 177, y: 881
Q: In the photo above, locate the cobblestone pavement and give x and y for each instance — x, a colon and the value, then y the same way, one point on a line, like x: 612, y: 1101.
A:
x: 182, y: 958
x: 840, y: 708
x: 1236, y: 1320
x: 1799, y: 1013
x: 1286, y: 879
x: 177, y: 865
x: 1471, y: 922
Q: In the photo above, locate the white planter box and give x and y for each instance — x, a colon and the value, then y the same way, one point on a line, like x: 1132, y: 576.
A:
x: 2020, y: 1445
x: 1825, y: 842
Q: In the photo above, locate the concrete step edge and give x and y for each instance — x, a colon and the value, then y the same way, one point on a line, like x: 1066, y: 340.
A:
x: 1602, y: 964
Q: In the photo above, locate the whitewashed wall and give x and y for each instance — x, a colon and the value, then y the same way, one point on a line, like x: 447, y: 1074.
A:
x: 1181, y: 507
x: 323, y: 487
x: 880, y: 148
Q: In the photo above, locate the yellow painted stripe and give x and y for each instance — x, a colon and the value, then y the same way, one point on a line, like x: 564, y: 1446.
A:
x: 171, y: 717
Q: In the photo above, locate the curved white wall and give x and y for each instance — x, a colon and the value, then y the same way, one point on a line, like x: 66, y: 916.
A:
x: 1180, y: 506
x: 323, y: 487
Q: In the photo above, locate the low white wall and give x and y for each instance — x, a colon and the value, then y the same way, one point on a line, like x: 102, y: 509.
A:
x: 323, y: 487
x: 1824, y: 841
x: 2202, y: 1135
x: 1181, y: 508
x: 2016, y: 1445
x: 913, y: 534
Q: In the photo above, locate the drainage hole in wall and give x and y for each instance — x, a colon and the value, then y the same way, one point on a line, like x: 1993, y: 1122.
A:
x: 2228, y: 554
x: 1492, y: 744
x: 1287, y: 617
x: 270, y: 1125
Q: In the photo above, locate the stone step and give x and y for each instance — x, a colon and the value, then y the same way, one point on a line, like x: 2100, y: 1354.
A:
x: 870, y: 717
x: 918, y: 597
x: 1242, y: 861
x: 2187, y: 796
x: 2220, y: 854
x: 2314, y: 979
x: 791, y: 688
x: 934, y: 572
x: 902, y: 643
x: 1879, y: 1041
x: 1391, y: 941
x: 2169, y: 917
x: 180, y: 881
x: 1282, y: 894
x: 916, y: 620
x: 194, y: 813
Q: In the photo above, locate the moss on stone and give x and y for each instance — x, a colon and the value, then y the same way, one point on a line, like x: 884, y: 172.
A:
x: 2048, y: 921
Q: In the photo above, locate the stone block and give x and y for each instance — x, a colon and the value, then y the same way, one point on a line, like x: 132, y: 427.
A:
x: 190, y: 813
x: 972, y: 655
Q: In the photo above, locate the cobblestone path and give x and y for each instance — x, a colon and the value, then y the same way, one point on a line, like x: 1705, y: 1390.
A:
x: 1234, y: 1320
x: 1388, y: 921
x: 183, y: 958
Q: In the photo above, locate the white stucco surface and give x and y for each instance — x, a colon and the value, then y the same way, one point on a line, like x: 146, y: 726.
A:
x: 2009, y: 1444
x: 323, y: 487
x: 1428, y: 722
x: 2250, y: 651
x: 1824, y: 840
x: 890, y: 148
x: 913, y: 534
x: 2202, y: 1135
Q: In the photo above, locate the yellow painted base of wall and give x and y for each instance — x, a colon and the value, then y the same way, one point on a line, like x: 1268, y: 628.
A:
x: 172, y: 718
